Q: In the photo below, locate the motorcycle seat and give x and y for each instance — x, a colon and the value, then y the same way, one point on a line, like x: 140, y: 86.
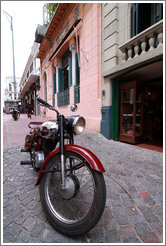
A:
x: 35, y: 125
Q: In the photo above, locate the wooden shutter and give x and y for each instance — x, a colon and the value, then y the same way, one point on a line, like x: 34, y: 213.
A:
x: 54, y: 83
x: 77, y: 70
x: 46, y: 88
x: 70, y: 71
x: 135, y: 19
x: 60, y: 80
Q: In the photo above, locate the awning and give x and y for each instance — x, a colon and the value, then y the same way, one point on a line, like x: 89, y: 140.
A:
x: 65, y: 38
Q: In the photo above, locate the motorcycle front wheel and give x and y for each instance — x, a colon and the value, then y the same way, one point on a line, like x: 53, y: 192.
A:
x: 78, y: 208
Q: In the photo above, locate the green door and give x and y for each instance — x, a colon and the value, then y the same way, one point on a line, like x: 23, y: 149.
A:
x: 115, y: 109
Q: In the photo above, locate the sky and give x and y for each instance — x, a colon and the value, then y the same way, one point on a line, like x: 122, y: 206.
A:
x: 26, y: 16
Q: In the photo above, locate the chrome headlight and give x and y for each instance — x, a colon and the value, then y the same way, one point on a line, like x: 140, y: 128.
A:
x: 77, y: 123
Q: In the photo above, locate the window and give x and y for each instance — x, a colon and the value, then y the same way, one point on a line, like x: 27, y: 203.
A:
x: 65, y: 79
x: 67, y: 70
x: 144, y: 15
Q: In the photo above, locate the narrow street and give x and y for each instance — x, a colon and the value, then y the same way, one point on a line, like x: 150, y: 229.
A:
x: 134, y: 176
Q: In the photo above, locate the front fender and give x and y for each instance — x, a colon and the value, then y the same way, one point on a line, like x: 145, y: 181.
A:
x: 90, y: 157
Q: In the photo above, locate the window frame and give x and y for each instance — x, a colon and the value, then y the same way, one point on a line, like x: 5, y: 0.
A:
x: 136, y: 16
x: 63, y: 95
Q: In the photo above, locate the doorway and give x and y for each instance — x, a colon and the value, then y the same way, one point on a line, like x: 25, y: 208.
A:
x: 153, y: 113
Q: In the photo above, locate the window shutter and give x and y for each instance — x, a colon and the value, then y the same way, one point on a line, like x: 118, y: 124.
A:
x: 156, y: 12
x: 54, y: 83
x: 70, y: 71
x: 77, y: 69
x: 135, y: 19
x: 46, y: 88
x: 60, y: 79
x: 53, y: 100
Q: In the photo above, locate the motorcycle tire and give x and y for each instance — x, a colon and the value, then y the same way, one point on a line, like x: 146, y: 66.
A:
x: 79, y: 209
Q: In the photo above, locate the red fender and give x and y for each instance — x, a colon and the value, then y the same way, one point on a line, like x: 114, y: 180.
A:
x: 87, y: 154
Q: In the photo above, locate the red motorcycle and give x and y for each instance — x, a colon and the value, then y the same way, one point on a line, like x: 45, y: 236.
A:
x: 72, y: 186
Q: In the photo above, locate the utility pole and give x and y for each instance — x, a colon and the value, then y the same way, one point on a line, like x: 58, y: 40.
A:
x: 10, y: 19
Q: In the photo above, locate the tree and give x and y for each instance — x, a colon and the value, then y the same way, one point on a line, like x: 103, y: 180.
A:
x: 49, y: 10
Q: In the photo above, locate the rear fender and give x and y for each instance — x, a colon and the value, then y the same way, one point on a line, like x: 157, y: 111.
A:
x: 90, y: 157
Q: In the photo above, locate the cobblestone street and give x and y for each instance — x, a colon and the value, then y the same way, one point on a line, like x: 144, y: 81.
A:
x: 134, y: 176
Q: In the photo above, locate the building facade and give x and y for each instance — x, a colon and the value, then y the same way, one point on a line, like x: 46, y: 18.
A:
x: 11, y: 94
x: 30, y: 81
x: 9, y: 88
x: 70, y: 55
x: 132, y: 72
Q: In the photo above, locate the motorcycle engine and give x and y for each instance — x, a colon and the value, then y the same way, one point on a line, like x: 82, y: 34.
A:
x: 39, y: 159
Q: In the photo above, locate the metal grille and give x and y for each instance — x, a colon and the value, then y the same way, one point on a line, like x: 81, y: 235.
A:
x: 63, y: 98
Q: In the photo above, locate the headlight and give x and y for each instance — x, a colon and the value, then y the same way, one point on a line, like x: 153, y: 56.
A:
x: 77, y: 123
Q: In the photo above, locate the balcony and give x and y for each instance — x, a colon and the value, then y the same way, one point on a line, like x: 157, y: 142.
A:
x: 148, y: 40
x: 63, y: 98
x: 40, y: 33
x: 144, y: 48
x: 32, y: 78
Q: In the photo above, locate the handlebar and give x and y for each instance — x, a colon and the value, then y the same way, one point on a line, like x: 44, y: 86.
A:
x: 44, y: 103
x: 47, y: 105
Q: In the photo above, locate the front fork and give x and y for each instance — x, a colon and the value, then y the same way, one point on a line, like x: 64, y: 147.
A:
x: 62, y: 152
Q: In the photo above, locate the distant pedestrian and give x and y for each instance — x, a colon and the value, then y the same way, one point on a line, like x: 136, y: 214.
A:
x: 29, y: 110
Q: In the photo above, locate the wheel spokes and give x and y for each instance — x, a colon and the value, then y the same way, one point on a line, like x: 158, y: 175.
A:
x: 76, y: 208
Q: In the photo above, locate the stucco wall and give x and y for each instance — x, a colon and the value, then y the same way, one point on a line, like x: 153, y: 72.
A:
x: 116, y: 28
x: 90, y: 70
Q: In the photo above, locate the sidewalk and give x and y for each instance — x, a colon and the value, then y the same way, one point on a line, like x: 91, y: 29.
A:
x: 133, y: 177
x: 14, y: 131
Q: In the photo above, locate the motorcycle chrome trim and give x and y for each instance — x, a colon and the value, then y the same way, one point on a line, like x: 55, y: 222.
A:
x: 68, y: 191
x: 50, y: 125
x: 35, y: 125
x: 47, y: 128
x: 39, y: 159
x: 90, y: 157
x: 63, y: 180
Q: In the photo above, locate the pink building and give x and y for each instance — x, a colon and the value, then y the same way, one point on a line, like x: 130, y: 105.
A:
x: 70, y: 55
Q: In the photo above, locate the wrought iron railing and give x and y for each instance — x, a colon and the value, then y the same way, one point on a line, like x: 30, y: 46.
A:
x: 63, y: 98
x: 77, y: 93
